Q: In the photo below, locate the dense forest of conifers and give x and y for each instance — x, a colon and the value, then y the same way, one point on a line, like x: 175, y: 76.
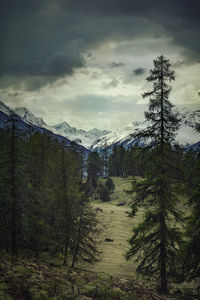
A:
x: 43, y: 204
x: 44, y: 197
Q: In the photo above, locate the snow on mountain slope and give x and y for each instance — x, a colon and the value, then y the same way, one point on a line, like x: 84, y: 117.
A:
x: 28, y: 117
x: 5, y: 109
x: 82, y: 137
x: 96, y: 139
x: 119, y: 136
x: 24, y: 120
x: 186, y: 135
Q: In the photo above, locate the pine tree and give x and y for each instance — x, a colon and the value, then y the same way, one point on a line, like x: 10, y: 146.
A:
x: 115, y: 165
x: 83, y: 244
x: 104, y: 155
x: 94, y: 171
x: 192, y: 243
x: 188, y: 166
x: 103, y: 192
x: 157, y: 237
x: 40, y: 194
x: 110, y: 184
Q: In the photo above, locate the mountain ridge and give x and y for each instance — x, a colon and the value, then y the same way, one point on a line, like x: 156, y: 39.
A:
x: 84, y: 137
x: 96, y: 139
x: 24, y: 125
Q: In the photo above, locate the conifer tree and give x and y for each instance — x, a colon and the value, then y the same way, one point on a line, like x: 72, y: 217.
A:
x: 68, y: 197
x: 192, y: 243
x: 104, y: 155
x: 94, y: 171
x: 115, y: 165
x: 157, y: 237
x: 103, y: 192
x: 40, y: 193
x: 83, y: 244
x: 110, y: 184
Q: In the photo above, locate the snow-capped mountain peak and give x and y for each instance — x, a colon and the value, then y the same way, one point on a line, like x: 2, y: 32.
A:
x: 83, y: 137
x: 5, y: 109
x: 64, y: 128
x: 30, y: 118
x: 95, y: 139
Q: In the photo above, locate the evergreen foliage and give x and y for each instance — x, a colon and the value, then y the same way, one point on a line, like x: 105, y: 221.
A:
x: 130, y: 162
x: 115, y: 166
x: 41, y: 197
x: 105, y: 158
x: 103, y: 192
x: 191, y: 246
x: 110, y: 184
x: 83, y: 245
x: 12, y: 185
x: 156, y: 239
x: 94, y: 171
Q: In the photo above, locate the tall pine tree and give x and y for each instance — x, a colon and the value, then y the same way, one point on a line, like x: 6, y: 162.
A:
x: 157, y: 237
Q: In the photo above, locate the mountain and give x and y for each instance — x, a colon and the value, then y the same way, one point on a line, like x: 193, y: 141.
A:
x: 120, y: 136
x: 29, y: 118
x: 27, y: 123
x: 96, y: 139
x: 186, y: 136
x: 82, y: 137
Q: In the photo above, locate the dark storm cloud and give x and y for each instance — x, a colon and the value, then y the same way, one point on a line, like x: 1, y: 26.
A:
x: 49, y: 39
x: 139, y: 71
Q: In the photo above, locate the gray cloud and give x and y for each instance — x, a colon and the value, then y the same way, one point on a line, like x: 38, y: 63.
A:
x: 103, y: 111
x: 115, y: 64
x: 139, y: 71
x: 45, y: 40
x: 111, y: 84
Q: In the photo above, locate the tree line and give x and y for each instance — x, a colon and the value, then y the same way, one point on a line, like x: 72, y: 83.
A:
x: 43, y: 201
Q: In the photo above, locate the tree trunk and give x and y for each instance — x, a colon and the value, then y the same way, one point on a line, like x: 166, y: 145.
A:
x: 13, y: 193
x: 77, y: 244
x: 66, y: 251
x: 163, y: 275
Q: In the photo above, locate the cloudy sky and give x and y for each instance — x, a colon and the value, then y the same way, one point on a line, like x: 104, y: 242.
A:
x: 85, y: 61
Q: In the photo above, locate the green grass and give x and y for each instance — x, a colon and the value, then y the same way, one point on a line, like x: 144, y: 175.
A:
x: 121, y: 186
x: 46, y: 282
x: 115, y: 225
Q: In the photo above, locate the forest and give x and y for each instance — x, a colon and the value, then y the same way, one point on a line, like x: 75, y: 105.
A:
x: 48, y: 217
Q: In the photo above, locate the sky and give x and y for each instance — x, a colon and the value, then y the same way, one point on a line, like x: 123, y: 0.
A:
x: 86, y: 61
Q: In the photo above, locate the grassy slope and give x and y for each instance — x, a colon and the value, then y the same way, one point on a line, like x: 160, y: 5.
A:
x: 22, y: 279
x: 116, y: 225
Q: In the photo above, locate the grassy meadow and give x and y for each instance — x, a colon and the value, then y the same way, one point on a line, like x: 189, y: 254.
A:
x: 116, y: 226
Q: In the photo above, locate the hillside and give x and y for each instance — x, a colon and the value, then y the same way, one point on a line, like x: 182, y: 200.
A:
x: 32, y: 280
